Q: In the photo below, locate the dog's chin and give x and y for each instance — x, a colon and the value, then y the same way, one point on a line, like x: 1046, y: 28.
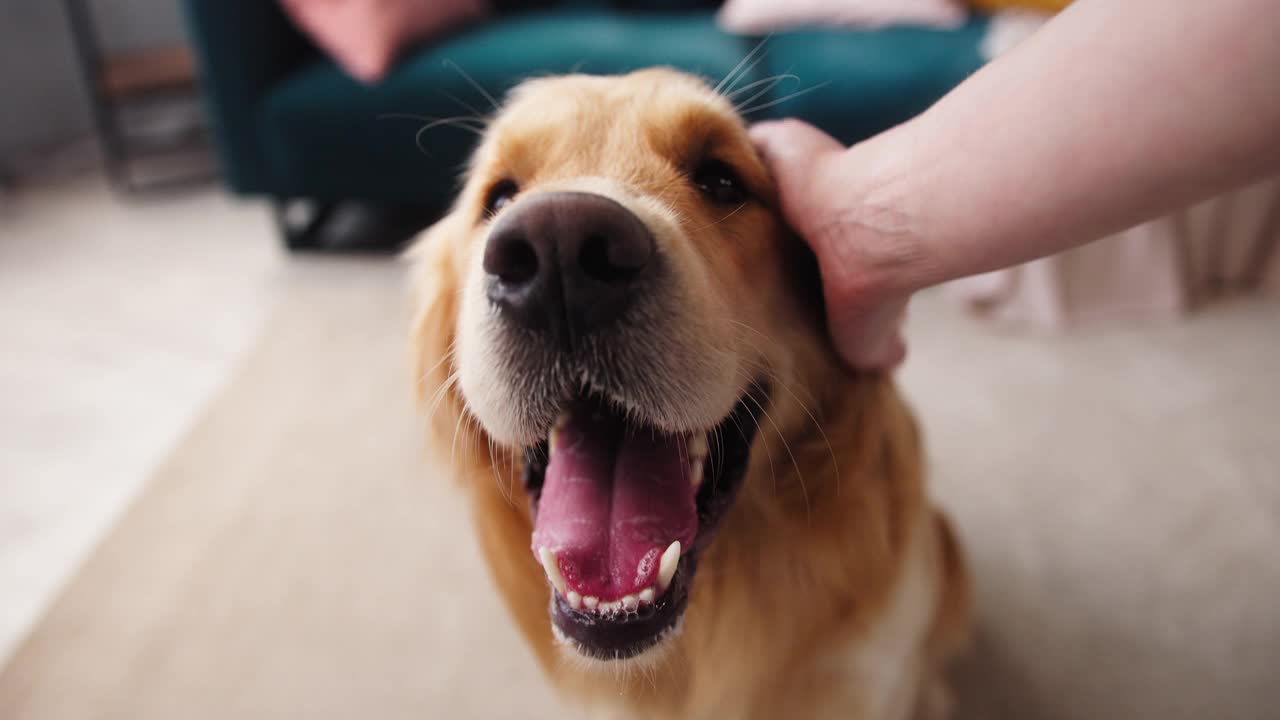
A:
x: 622, y: 511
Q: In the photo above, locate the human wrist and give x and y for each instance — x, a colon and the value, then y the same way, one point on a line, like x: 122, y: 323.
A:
x: 871, y: 237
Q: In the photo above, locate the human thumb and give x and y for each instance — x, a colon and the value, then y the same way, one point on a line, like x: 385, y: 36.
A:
x: 791, y: 149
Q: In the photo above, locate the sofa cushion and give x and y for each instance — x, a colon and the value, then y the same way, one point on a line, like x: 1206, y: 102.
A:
x: 327, y: 136
x: 365, y: 36
x: 763, y: 16
x: 873, y: 79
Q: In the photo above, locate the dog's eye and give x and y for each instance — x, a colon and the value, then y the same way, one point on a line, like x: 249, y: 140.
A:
x: 720, y: 183
x: 502, y: 192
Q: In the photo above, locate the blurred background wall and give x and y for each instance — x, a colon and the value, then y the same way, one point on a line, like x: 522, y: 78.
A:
x: 43, y: 101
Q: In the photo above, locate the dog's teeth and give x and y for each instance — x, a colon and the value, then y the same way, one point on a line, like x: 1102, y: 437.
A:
x: 666, y: 566
x: 590, y: 602
x: 575, y: 600
x: 647, y: 595
x: 630, y: 602
x: 554, y: 435
x: 698, y: 447
x: 553, y: 569
x: 695, y: 473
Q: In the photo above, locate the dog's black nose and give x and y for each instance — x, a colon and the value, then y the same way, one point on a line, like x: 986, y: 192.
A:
x: 567, y: 263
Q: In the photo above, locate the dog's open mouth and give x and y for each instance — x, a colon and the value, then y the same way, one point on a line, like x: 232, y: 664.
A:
x: 621, y: 512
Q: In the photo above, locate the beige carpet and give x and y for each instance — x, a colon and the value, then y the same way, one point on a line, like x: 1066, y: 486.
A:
x: 297, y: 557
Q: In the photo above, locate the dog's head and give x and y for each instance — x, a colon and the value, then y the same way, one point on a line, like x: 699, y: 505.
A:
x: 615, y: 302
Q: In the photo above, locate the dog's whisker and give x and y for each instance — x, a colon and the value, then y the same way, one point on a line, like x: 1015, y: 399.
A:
x: 475, y: 112
x: 719, y: 440
x: 717, y: 222
x: 436, y: 398
x: 511, y: 464
x: 746, y: 71
x: 478, y: 120
x: 742, y: 433
x: 747, y: 103
x: 448, y: 353
x: 461, y: 122
x: 440, y: 393
x: 497, y: 475
x: 471, y: 441
x: 453, y: 445
x: 769, y: 85
x: 776, y: 380
x: 784, y: 98
x: 458, y: 123
x: 753, y: 383
x: 472, y: 82
x: 728, y: 81
x: 772, y: 82
x: 506, y: 481
x: 804, y: 491
x: 835, y: 464
x: 768, y: 453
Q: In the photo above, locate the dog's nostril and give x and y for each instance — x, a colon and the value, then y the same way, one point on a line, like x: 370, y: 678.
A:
x: 612, y: 262
x: 567, y: 264
x: 514, y: 261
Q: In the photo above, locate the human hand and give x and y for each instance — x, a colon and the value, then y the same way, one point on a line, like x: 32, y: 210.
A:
x: 823, y: 197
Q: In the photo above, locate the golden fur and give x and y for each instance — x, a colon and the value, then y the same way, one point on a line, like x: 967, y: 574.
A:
x: 832, y: 589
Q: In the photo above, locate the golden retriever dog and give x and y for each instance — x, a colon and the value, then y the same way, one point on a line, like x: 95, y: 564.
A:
x: 690, y: 507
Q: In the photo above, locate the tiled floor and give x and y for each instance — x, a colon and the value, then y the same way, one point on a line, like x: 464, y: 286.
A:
x: 118, y: 319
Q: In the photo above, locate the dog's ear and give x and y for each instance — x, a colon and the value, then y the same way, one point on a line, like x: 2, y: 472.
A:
x: 800, y: 265
x: 803, y: 274
x: 437, y: 275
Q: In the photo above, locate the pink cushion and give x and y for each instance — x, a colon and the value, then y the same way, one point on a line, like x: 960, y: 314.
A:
x: 755, y: 17
x: 364, y: 36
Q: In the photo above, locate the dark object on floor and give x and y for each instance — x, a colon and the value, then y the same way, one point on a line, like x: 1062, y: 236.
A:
x: 356, y: 227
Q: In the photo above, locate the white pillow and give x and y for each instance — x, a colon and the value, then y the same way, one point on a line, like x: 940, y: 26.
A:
x: 757, y: 17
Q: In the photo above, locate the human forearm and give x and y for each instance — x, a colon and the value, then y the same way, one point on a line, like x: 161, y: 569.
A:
x: 1114, y: 113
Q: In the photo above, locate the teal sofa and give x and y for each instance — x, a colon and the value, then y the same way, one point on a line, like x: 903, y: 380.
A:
x: 291, y: 126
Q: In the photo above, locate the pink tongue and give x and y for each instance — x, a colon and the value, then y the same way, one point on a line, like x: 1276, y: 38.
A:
x: 612, y: 501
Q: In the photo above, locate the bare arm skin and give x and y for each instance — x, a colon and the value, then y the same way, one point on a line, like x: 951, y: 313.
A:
x: 1113, y: 113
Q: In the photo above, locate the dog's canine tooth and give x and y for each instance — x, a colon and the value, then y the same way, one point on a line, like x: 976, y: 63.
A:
x: 556, y: 427
x: 698, y: 447
x: 695, y: 472
x: 575, y: 600
x: 647, y: 595
x: 590, y: 602
x: 630, y: 602
x: 666, y: 566
x: 552, y: 567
